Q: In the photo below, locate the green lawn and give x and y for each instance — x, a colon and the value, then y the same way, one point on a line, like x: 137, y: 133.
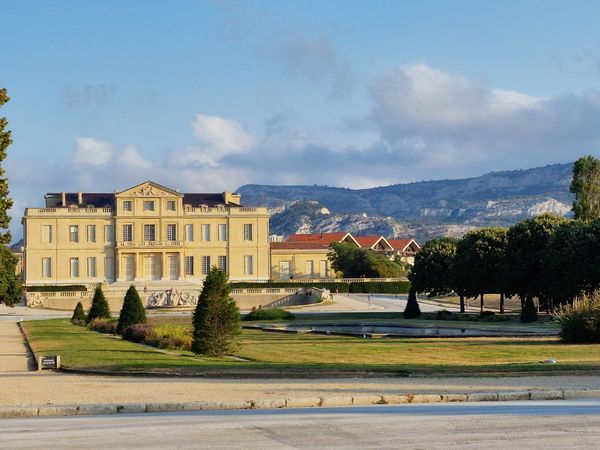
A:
x: 81, y: 348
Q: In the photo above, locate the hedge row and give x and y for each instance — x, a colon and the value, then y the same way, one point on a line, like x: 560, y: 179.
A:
x: 54, y: 288
x: 368, y: 287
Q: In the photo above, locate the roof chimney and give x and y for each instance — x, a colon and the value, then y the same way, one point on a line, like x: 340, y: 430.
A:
x: 63, y: 198
x: 232, y: 198
x: 79, y: 198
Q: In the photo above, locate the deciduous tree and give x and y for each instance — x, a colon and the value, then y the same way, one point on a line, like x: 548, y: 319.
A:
x: 586, y: 187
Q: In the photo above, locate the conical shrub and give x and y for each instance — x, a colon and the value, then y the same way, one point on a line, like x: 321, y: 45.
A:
x: 529, y: 313
x: 99, y: 308
x: 216, y: 318
x: 132, y: 311
x: 412, y: 309
x: 78, y: 315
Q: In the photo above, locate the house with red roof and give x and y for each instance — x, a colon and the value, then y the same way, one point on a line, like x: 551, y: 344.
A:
x: 305, y: 256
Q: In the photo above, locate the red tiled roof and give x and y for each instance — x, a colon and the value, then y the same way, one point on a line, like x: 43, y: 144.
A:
x: 399, y: 244
x: 367, y: 241
x: 321, y: 238
x: 298, y: 246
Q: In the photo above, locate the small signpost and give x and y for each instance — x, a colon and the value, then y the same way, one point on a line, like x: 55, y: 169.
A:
x: 48, y: 362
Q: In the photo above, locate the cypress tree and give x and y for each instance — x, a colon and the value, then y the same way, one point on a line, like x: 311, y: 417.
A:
x: 99, y: 308
x: 216, y: 318
x: 528, y: 312
x: 132, y: 311
x: 78, y: 314
x: 412, y: 309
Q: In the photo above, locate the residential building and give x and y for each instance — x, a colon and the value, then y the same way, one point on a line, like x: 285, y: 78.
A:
x: 148, y: 233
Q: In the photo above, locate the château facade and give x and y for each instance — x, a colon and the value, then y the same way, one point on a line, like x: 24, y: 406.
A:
x: 147, y: 234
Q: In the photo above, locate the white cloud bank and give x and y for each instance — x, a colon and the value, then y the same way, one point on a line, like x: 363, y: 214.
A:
x: 91, y: 151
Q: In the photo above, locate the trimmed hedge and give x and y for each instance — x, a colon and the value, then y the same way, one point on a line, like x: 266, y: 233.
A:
x: 268, y: 314
x: 54, y: 288
x: 367, y: 287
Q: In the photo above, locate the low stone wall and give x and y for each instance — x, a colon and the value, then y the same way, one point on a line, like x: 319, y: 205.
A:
x: 245, y: 298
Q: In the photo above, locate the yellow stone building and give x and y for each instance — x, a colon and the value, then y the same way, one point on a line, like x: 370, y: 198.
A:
x: 147, y: 234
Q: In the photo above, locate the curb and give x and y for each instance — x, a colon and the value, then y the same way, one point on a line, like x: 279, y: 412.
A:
x: 8, y: 412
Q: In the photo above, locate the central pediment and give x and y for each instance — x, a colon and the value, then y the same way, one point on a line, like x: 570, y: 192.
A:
x: 149, y: 189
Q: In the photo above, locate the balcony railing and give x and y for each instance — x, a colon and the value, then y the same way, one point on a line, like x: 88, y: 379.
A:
x: 68, y: 211
x: 149, y: 243
x: 223, y: 210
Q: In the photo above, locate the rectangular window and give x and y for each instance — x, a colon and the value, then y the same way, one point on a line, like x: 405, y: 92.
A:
x: 247, y: 231
x: 91, y: 233
x: 310, y: 268
x: 205, y: 265
x: 127, y: 205
x: 171, y: 232
x: 74, y: 267
x: 206, y: 232
x: 222, y: 232
x: 149, y: 205
x: 189, y: 265
x: 248, y: 265
x: 149, y: 233
x: 128, y: 232
x: 323, y: 269
x: 223, y: 263
x: 109, y: 234
x: 47, y: 267
x: 189, y: 232
x: 171, y: 205
x: 109, y: 268
x: 91, y: 267
x: 46, y: 234
x: 74, y: 233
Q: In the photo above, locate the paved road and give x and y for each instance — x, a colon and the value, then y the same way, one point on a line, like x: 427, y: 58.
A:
x: 523, y: 425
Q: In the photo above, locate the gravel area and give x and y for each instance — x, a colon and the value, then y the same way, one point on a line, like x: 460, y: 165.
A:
x: 41, y: 388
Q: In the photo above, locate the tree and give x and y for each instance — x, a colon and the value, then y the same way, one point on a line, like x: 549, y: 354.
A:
x: 11, y: 290
x: 356, y: 262
x: 528, y: 312
x: 412, y: 309
x: 586, y: 187
x: 525, y: 258
x: 78, y: 316
x: 99, y: 307
x: 432, y: 270
x: 132, y: 311
x: 216, y: 317
x: 479, y: 261
x: 5, y: 202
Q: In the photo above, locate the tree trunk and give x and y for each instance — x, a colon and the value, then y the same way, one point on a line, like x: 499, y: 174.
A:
x: 501, y: 303
x: 462, y: 303
x: 480, y: 303
x: 522, y: 298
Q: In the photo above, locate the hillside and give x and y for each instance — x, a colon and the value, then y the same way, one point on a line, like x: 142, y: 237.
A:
x: 428, y: 208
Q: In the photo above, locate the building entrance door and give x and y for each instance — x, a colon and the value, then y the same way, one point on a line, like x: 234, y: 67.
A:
x: 152, y: 269
x: 173, y: 267
x: 129, y: 267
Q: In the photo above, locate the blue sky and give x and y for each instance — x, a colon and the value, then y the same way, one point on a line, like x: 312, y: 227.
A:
x: 210, y: 95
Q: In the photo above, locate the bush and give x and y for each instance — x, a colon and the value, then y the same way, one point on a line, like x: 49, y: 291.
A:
x: 486, y: 314
x: 412, y: 309
x: 380, y: 287
x: 171, y: 337
x: 580, y: 322
x: 529, y: 313
x: 132, y: 311
x: 99, y: 308
x: 138, y: 332
x: 78, y: 317
x: 444, y: 315
x: 269, y: 314
x: 101, y: 325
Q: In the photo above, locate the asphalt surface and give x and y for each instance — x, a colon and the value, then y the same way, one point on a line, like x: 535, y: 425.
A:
x: 523, y: 425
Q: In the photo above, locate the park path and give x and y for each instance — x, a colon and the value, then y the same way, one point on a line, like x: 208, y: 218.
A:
x: 14, y: 354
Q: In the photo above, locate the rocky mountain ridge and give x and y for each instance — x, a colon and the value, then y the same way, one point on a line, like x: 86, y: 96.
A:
x: 423, y: 209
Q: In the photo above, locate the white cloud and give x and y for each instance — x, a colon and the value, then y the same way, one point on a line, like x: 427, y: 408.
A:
x: 92, y: 151
x: 132, y: 157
